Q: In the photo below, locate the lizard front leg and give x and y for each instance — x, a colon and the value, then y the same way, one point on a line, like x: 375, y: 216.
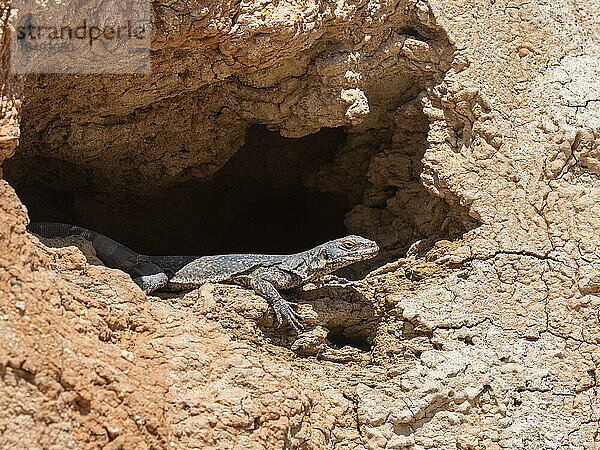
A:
x: 263, y: 287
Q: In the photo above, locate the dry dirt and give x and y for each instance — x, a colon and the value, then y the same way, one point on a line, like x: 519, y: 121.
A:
x: 465, y: 140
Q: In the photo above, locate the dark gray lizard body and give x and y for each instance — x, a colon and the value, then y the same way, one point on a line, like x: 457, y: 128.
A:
x: 265, y: 274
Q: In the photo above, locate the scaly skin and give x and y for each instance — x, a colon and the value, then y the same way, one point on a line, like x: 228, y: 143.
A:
x: 265, y: 274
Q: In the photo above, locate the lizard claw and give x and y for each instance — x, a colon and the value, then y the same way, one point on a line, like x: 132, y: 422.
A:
x: 285, y: 309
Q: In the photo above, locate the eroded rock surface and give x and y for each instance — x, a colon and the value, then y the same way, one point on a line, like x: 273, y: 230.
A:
x: 10, y: 91
x: 468, y: 121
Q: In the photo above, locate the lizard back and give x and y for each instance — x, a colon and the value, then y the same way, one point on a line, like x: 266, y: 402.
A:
x: 195, y: 270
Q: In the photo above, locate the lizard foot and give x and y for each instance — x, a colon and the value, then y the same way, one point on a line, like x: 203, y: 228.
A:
x: 283, y: 308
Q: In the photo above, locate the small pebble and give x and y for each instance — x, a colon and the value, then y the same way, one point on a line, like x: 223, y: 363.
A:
x: 113, y: 431
x: 20, y: 305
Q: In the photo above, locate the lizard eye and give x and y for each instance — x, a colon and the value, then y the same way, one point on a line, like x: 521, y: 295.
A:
x: 348, y: 245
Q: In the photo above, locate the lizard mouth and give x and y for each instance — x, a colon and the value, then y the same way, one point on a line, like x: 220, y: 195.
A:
x: 366, y: 253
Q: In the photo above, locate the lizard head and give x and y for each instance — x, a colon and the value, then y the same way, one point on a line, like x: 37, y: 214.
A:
x: 341, y: 252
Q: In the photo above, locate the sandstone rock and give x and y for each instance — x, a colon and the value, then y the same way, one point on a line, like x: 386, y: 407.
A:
x: 466, y: 135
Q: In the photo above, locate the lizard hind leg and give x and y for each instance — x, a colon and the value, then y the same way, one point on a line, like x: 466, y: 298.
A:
x: 151, y: 283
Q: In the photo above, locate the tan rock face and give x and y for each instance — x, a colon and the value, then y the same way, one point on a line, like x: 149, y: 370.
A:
x: 471, y: 127
x: 10, y: 91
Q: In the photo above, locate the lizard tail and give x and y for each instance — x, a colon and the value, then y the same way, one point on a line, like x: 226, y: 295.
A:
x: 112, y: 253
x: 56, y: 230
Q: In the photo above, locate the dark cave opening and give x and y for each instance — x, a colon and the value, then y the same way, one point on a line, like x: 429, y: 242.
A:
x: 257, y: 202
x: 186, y: 172
x: 273, y: 195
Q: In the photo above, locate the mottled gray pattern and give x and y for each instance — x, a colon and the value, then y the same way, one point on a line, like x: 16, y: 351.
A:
x: 266, y: 274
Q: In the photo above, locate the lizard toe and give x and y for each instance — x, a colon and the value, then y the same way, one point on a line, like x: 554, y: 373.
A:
x: 296, y: 325
x: 294, y: 319
x: 279, y: 318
